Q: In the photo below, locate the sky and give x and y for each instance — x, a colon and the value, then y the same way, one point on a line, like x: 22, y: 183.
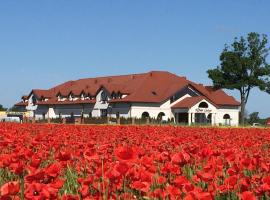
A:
x: 44, y: 43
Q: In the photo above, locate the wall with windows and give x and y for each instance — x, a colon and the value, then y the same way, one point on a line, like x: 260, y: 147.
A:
x: 41, y: 112
x: 119, y: 109
x: 137, y: 109
x: 233, y: 119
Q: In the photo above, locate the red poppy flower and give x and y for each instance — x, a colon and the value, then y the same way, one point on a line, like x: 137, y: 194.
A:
x: 247, y: 195
x: 125, y: 153
x: 10, y: 188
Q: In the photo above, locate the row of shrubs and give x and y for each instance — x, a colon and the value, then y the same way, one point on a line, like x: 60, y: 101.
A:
x: 106, y: 120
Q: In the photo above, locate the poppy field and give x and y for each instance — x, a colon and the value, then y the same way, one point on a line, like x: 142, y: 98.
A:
x: 45, y: 161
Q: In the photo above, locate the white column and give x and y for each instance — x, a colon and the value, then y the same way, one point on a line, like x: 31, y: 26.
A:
x: 189, y: 118
x: 212, y: 119
x: 176, y: 117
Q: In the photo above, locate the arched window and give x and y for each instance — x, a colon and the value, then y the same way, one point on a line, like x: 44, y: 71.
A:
x: 160, y: 115
x: 145, y: 115
x: 227, y: 119
x: 203, y: 105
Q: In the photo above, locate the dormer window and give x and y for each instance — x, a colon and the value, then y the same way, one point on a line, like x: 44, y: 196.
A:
x: 42, y: 98
x: 82, y: 96
x: 103, y: 96
x: 34, y: 100
x: 113, y: 95
x: 70, y: 97
x: 59, y: 97
x: 119, y: 95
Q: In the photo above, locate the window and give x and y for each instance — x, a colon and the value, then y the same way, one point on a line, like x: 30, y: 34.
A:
x: 34, y: 100
x: 70, y: 97
x: 82, y: 96
x: 160, y: 116
x: 145, y: 115
x: 104, y: 96
x: 227, y: 119
x: 103, y: 112
x: 203, y: 105
x: 119, y: 95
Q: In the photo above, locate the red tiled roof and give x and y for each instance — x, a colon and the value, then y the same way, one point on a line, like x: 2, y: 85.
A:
x: 21, y: 104
x: 152, y: 87
x: 219, y: 97
x: 188, y: 102
x: 67, y: 102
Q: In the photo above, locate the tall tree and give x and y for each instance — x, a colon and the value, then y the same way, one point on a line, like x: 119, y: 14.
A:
x: 253, y: 118
x: 242, y: 67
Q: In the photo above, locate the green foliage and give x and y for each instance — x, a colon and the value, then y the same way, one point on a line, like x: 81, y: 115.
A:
x: 71, y: 185
x: 253, y: 118
x: 2, y: 108
x: 227, y: 196
x: 15, y: 109
x: 7, y: 176
x: 243, y: 66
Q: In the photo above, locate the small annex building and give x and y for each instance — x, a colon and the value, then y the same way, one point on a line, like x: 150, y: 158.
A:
x: 156, y: 94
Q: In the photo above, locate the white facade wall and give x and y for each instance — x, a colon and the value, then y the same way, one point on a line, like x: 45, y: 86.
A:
x: 234, y: 116
x: 217, y: 114
x: 195, y: 109
x: 31, y: 107
x: 99, y: 105
x: 137, y: 109
x: 41, y: 112
x: 134, y: 110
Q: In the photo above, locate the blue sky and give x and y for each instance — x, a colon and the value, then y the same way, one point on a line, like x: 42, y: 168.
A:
x: 43, y: 43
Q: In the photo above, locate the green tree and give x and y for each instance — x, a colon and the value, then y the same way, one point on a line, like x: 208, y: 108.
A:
x: 2, y: 108
x: 253, y: 118
x: 15, y: 109
x: 242, y: 67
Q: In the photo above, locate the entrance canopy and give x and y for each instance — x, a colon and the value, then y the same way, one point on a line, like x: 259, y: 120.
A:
x: 194, y: 110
